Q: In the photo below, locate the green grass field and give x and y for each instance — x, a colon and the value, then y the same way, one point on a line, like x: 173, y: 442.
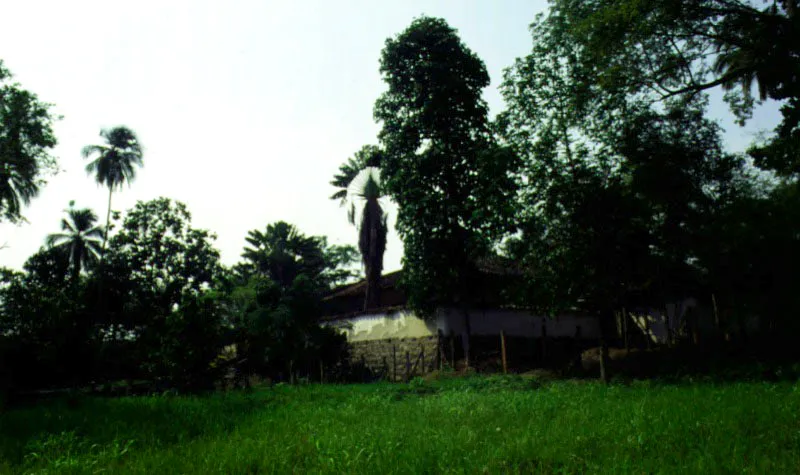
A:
x: 477, y: 424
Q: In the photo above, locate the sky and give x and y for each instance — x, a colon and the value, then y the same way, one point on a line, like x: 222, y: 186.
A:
x: 245, y: 108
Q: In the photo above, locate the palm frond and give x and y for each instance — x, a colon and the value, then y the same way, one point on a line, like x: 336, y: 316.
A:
x: 367, y: 156
x: 90, y: 150
x: 57, y: 239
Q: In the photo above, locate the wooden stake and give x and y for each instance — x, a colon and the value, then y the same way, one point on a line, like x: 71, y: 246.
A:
x: 503, y: 350
x: 625, y: 329
x: 408, y: 366
x: 452, y: 351
x: 544, y: 342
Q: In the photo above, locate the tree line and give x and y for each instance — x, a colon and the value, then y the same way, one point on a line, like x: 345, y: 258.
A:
x: 603, y: 182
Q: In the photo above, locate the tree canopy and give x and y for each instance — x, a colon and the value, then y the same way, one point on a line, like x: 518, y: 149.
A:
x: 26, y: 138
x: 451, y: 180
x: 669, y: 49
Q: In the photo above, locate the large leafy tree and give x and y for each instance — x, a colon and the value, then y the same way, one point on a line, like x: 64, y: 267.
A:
x: 451, y: 182
x: 158, y: 277
x: 80, y: 237
x: 163, y: 254
x: 669, y: 49
x: 360, y: 186
x: 614, y: 191
x: 114, y: 163
x: 26, y: 137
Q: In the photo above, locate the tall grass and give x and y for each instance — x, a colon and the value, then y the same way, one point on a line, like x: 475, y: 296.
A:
x: 470, y: 425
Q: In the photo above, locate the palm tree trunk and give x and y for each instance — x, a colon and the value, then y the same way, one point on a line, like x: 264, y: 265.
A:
x: 77, y: 256
x: 101, y: 300
x: 108, y: 224
x: 372, y: 298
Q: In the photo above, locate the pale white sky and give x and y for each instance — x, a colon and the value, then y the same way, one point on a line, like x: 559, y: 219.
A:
x: 245, y: 108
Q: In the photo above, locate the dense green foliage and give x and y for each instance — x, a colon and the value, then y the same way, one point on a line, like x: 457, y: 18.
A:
x: 498, y: 425
x: 442, y: 166
x: 26, y: 137
x: 668, y: 49
x: 628, y: 197
x: 602, y: 186
x: 168, y: 307
x: 275, y: 301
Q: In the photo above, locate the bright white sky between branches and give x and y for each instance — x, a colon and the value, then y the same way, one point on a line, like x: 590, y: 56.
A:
x: 245, y: 108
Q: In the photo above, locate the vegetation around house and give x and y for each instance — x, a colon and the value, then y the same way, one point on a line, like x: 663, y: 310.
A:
x: 603, y: 180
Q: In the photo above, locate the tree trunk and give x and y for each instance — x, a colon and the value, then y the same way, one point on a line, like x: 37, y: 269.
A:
x: 603, y: 360
x: 372, y: 297
x: 373, y: 260
x: 503, y: 351
x: 101, y: 300
x: 604, y: 376
x: 465, y: 337
x: 108, y: 224
x: 625, y: 329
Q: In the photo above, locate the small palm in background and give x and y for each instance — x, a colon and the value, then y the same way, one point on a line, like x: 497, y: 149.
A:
x: 80, y: 238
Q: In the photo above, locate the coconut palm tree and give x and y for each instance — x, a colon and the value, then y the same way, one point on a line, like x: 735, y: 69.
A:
x: 372, y: 228
x: 80, y: 239
x: 113, y: 164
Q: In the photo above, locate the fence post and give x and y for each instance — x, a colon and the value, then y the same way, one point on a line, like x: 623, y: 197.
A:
x: 544, y: 341
x: 422, y: 355
x: 408, y: 366
x: 503, y: 350
x: 625, y: 329
x: 439, y: 351
x: 452, y: 351
x: 394, y: 362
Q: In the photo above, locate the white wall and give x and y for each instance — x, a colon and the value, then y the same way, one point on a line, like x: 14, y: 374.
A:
x: 405, y: 324
x: 398, y: 324
x: 516, y: 323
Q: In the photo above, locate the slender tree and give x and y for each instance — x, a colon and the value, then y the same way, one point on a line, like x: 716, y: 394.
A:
x: 80, y: 237
x: 113, y: 164
x: 372, y: 229
x: 359, y: 183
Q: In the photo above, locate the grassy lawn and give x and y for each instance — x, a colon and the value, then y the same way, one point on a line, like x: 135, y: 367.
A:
x: 477, y: 424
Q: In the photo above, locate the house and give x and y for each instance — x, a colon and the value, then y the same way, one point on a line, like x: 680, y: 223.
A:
x: 393, y: 340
